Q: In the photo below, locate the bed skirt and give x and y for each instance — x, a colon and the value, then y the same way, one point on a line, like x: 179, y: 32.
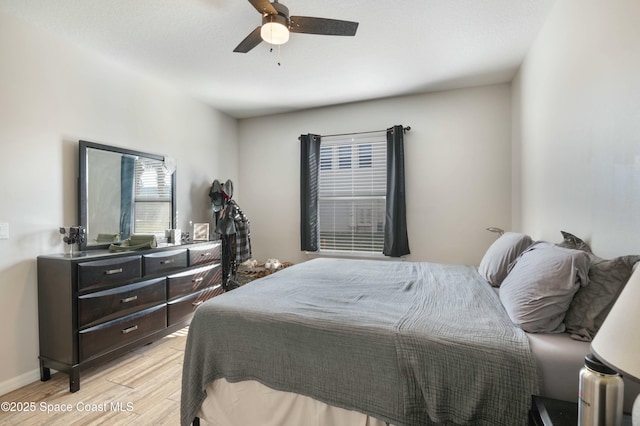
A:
x: 252, y: 403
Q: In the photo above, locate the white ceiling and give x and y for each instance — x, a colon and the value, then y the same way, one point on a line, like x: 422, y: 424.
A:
x: 401, y: 47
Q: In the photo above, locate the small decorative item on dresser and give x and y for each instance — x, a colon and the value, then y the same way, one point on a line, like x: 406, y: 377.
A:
x: 174, y: 236
x: 200, y: 232
x: 73, y: 235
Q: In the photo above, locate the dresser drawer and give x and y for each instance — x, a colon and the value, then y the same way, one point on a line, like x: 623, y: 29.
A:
x: 114, y: 334
x: 196, y: 279
x: 205, y: 254
x: 164, y: 261
x: 102, y: 273
x: 183, y: 308
x: 105, y: 305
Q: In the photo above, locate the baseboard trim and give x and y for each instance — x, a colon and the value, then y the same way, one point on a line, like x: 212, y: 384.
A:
x: 19, y: 381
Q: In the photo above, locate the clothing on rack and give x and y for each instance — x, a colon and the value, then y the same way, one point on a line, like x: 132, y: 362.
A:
x: 233, y: 227
x: 243, y: 235
x: 233, y: 221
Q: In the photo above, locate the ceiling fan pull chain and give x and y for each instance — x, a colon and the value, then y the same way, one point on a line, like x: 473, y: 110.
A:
x: 271, y: 51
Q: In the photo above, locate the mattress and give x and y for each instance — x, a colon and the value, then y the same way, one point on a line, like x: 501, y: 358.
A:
x: 559, y: 359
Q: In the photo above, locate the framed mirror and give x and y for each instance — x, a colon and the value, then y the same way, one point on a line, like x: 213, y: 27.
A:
x: 123, y: 192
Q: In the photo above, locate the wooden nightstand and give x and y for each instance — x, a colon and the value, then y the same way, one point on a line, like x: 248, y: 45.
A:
x: 552, y: 412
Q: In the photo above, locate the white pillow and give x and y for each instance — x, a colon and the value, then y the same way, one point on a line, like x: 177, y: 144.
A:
x: 540, y: 285
x: 501, y: 253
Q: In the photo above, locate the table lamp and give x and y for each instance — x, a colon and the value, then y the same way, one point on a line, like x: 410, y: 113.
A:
x: 617, y: 343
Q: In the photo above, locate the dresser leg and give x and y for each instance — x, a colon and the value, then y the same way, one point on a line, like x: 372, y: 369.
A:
x: 45, y: 372
x: 74, y: 379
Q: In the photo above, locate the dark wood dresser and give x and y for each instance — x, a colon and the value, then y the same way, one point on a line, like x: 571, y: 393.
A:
x: 98, y: 305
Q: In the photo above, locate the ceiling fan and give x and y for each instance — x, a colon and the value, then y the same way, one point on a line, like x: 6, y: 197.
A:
x: 276, y: 25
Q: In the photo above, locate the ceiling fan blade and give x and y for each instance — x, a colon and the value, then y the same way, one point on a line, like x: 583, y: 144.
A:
x: 249, y: 42
x: 308, y: 25
x: 263, y: 6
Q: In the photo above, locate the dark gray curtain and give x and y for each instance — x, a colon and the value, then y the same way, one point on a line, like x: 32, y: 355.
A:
x: 396, y: 242
x: 127, y: 171
x: 309, y: 168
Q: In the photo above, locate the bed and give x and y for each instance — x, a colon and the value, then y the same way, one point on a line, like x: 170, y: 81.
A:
x: 361, y: 342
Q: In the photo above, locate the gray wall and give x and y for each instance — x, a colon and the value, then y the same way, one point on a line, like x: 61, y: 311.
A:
x: 457, y: 159
x: 576, y: 139
x: 54, y: 94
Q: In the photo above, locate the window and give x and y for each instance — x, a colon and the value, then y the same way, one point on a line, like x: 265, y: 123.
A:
x: 326, y: 158
x: 352, y: 197
x: 364, y: 155
x: 344, y: 156
x: 152, y: 197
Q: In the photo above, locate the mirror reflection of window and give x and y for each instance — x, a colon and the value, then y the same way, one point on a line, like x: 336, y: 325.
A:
x: 152, y: 197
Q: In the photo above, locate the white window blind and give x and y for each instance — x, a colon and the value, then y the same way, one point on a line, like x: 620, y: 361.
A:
x: 352, y: 193
x: 152, y: 197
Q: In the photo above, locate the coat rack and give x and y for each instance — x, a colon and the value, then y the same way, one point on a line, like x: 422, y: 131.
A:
x: 233, y: 227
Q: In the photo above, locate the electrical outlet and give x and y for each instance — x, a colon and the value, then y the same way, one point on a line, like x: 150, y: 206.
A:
x: 4, y: 231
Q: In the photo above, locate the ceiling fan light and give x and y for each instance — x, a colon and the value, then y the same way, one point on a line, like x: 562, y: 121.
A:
x: 273, y: 31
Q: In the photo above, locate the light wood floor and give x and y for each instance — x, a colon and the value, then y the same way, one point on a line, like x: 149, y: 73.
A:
x: 146, y: 381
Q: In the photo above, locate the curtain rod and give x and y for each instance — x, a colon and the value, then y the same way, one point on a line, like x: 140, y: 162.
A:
x: 405, y: 129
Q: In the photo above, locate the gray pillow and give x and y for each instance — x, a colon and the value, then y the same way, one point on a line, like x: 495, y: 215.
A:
x: 572, y: 242
x: 592, y: 303
x: 501, y: 253
x: 541, y: 284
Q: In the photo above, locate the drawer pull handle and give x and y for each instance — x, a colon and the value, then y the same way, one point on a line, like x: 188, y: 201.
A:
x: 113, y: 271
x: 197, y: 280
x: 129, y: 299
x: 198, y: 303
x: 130, y: 329
x: 205, y: 254
x: 166, y: 262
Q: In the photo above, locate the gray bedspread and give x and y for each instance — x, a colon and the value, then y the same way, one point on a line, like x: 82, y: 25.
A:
x: 408, y: 343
